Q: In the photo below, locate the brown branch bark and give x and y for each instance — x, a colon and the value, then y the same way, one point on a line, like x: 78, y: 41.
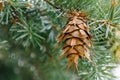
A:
x: 57, y: 7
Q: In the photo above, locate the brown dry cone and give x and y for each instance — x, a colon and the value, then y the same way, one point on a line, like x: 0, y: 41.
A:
x: 76, y: 39
x: 1, y: 6
x: 114, y: 3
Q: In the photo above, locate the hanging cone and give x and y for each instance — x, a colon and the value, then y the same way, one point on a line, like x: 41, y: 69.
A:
x: 75, y: 38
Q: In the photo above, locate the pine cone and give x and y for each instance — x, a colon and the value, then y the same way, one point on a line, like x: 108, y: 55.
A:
x: 75, y: 38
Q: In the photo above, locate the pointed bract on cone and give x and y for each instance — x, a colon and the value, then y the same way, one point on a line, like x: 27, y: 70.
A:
x: 76, y: 39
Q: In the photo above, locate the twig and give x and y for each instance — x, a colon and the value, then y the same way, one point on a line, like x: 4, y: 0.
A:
x: 57, y: 7
x: 105, y: 22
